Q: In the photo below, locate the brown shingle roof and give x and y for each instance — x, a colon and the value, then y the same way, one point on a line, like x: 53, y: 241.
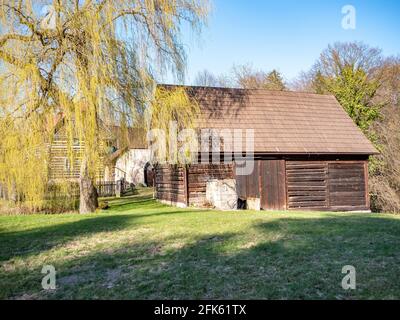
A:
x: 283, y: 122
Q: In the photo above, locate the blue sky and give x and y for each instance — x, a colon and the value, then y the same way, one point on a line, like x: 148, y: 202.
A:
x: 286, y: 34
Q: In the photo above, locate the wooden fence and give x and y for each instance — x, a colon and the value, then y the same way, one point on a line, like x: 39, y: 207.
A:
x: 106, y: 188
x: 112, y: 188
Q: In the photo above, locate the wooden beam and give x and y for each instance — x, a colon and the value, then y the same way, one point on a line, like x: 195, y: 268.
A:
x: 186, y: 184
x: 366, y: 177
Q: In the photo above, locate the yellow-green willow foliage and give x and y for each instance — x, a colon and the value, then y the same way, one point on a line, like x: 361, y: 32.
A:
x: 23, y: 161
x: 171, y: 112
x: 92, y: 62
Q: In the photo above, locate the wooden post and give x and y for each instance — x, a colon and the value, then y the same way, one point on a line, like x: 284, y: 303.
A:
x: 155, y: 182
x: 286, y: 185
x: 118, y: 189
x: 328, y: 186
x: 260, y: 167
x: 367, y: 198
x: 186, y: 184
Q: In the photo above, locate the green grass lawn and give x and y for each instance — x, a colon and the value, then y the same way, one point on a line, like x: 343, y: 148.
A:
x: 140, y: 249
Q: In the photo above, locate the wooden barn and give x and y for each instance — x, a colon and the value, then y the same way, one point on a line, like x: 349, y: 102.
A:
x: 308, y: 153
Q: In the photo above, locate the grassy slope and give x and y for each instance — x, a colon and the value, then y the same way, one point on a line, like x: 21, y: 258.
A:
x: 141, y: 249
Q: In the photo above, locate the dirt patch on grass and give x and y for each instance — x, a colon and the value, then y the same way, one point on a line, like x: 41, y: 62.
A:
x: 71, y: 280
x: 112, y: 277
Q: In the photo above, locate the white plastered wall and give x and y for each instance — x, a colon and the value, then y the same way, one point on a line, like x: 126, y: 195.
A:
x: 131, y: 165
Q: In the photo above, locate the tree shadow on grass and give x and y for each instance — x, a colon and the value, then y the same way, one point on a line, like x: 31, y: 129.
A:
x: 36, y: 240
x: 290, y: 258
x: 30, y: 242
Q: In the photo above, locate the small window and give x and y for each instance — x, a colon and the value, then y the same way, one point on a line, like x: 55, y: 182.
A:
x: 67, y: 164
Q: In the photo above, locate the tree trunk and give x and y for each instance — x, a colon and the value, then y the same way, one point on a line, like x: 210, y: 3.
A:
x: 88, y: 193
x: 3, y: 193
x: 13, y: 196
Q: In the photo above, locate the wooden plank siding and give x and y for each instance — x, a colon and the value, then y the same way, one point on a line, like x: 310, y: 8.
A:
x: 187, y: 185
x: 306, y: 184
x: 199, y: 174
x: 248, y: 186
x: 347, y: 185
x: 169, y: 183
x: 266, y: 182
x: 241, y: 182
x: 327, y: 185
x: 273, y: 184
x: 279, y: 184
x: 60, y: 165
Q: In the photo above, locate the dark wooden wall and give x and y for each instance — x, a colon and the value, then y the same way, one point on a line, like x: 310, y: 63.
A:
x: 307, y: 185
x: 249, y: 186
x: 187, y: 185
x: 327, y: 185
x: 348, y: 185
x: 266, y: 182
x: 199, y: 174
x: 272, y: 184
x: 170, y: 183
x: 280, y: 184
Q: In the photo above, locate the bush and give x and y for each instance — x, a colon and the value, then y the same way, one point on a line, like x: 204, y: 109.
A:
x: 59, y: 198
x: 385, y: 168
x: 53, y: 206
x: 103, y: 205
x: 384, y: 197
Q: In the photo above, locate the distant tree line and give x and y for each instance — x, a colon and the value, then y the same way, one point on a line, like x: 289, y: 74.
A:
x: 243, y: 76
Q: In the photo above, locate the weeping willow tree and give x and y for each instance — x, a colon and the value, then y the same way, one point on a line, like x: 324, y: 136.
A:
x: 172, y: 121
x: 93, y: 63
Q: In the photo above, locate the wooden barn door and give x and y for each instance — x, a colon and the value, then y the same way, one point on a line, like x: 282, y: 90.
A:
x: 307, y: 185
x: 348, y: 186
x: 327, y: 185
x: 273, y: 184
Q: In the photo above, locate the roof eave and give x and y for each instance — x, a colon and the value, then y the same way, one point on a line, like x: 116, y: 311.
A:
x: 281, y: 153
